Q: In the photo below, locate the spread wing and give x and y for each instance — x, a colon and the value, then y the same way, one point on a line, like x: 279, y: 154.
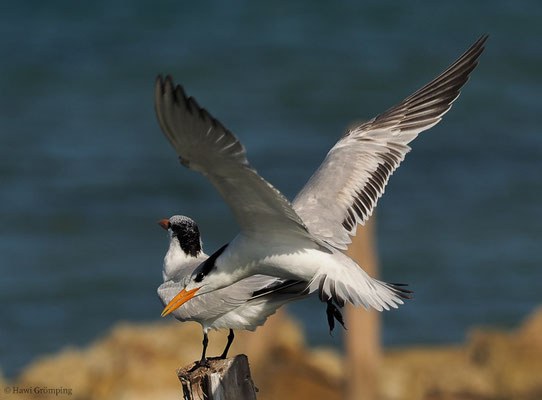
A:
x: 205, y: 145
x: 343, y: 192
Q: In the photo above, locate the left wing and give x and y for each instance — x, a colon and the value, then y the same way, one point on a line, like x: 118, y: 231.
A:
x: 344, y: 190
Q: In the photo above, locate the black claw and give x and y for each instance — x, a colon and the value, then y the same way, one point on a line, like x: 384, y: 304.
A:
x: 199, y: 364
x: 339, y: 317
x: 333, y: 314
x: 329, y: 313
x: 330, y: 319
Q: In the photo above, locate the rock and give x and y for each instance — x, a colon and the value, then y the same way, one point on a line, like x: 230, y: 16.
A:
x: 138, y: 361
x: 492, y: 365
x: 530, y: 332
x: 512, y: 361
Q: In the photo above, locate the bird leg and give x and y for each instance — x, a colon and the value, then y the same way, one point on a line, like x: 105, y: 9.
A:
x: 230, y: 341
x: 203, y: 360
x: 333, y: 314
x: 205, y: 343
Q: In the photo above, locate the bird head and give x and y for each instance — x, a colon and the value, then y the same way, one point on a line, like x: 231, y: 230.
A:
x: 185, y: 232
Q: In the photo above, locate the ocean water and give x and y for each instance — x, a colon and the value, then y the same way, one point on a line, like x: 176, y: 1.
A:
x: 86, y: 172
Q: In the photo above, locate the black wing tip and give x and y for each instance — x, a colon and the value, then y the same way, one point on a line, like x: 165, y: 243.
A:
x: 167, y: 84
x: 159, y: 85
x: 470, y: 57
x: 179, y: 95
x: 451, y: 81
x: 477, y: 49
x: 482, y: 39
x: 477, y: 45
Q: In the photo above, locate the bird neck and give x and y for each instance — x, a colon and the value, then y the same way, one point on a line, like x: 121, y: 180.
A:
x: 177, y: 260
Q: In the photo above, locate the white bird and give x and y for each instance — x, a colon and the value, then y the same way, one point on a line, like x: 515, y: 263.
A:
x: 244, y: 305
x: 303, y: 240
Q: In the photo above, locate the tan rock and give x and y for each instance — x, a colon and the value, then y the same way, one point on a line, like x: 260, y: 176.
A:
x: 138, y: 361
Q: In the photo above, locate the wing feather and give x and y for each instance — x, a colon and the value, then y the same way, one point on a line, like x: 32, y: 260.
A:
x: 344, y: 191
x: 205, y: 145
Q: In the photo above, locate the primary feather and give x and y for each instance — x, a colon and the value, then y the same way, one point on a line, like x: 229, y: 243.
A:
x: 344, y: 191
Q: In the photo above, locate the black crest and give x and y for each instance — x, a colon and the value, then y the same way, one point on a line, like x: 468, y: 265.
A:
x: 187, y: 232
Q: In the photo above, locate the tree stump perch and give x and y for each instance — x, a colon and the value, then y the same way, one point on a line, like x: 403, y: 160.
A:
x: 227, y: 379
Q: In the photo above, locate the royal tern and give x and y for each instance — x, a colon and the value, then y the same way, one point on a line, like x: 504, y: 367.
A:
x: 244, y: 305
x: 303, y: 240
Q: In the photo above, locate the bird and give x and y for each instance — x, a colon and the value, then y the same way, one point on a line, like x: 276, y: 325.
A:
x: 244, y: 305
x: 304, y: 239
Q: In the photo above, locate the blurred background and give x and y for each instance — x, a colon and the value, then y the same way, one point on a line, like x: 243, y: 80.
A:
x: 86, y: 172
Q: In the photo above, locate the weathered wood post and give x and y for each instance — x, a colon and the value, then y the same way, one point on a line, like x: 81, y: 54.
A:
x: 362, y: 340
x: 227, y: 379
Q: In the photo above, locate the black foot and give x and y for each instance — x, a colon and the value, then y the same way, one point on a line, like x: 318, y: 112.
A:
x: 199, y: 364
x: 333, y: 314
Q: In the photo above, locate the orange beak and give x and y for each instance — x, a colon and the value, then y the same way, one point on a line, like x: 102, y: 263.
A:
x: 179, y: 300
x: 164, y: 223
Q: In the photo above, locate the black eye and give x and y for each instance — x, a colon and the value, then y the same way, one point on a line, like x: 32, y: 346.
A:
x: 199, y: 277
x: 169, y: 225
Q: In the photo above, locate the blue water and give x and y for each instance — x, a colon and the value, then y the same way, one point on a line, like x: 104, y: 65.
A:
x: 86, y: 172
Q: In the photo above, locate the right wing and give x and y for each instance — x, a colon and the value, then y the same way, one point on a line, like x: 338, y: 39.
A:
x: 205, y: 145
x: 344, y: 190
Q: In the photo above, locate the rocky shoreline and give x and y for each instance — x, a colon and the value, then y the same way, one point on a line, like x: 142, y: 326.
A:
x: 138, y: 361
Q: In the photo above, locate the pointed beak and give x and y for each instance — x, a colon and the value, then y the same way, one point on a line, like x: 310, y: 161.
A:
x: 163, y: 223
x: 179, y: 300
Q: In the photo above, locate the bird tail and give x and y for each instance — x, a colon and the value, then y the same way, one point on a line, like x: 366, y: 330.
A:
x: 353, y: 285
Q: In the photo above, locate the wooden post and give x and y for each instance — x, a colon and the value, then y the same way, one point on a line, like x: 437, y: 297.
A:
x: 362, y: 340
x: 227, y: 379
